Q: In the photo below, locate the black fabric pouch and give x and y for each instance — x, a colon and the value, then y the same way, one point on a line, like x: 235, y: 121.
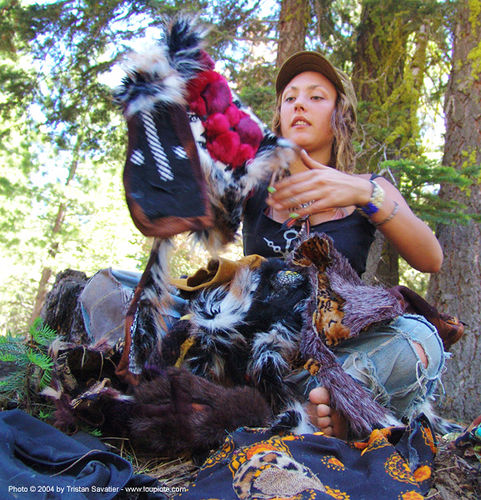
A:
x: 163, y: 181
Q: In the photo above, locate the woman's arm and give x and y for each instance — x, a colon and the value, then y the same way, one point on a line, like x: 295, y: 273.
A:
x: 329, y: 188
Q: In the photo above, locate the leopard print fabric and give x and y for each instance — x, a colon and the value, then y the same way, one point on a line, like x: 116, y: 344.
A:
x: 328, y: 315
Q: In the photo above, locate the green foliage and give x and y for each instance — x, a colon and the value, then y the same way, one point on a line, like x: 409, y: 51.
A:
x: 29, y: 363
x: 413, y: 279
x: 419, y: 183
x: 93, y: 431
x: 255, y: 84
x: 45, y: 414
x: 333, y: 30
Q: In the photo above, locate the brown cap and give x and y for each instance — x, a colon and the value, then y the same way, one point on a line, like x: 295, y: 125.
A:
x: 308, y: 60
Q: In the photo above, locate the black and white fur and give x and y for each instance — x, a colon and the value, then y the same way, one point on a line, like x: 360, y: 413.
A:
x: 248, y: 332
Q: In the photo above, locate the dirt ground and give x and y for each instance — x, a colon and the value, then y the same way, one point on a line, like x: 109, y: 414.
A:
x: 457, y: 474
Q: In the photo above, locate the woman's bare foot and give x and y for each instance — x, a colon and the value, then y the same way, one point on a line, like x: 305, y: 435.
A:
x: 323, y: 416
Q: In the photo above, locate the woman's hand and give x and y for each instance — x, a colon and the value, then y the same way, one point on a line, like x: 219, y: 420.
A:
x: 323, y: 187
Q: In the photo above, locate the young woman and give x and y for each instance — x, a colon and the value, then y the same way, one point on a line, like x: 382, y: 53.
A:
x: 401, y: 362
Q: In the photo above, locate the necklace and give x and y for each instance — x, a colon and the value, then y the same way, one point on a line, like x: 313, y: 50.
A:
x: 305, y: 222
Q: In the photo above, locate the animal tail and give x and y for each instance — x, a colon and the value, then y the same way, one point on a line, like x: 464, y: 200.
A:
x: 144, y: 323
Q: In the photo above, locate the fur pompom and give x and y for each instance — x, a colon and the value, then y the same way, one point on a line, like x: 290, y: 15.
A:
x: 159, y: 74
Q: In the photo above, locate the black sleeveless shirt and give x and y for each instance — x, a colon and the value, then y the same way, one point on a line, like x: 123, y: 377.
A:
x: 352, y: 235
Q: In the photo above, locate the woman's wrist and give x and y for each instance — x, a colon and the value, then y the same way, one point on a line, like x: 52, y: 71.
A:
x: 363, y: 192
x: 378, y: 208
x: 374, y: 202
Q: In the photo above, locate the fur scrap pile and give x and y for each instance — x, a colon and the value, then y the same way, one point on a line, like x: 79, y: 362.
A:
x: 235, y: 349
x: 278, y: 318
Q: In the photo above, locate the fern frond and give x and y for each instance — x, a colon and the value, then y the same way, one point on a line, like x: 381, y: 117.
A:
x: 12, y: 349
x: 41, y: 333
x: 8, y: 357
x: 39, y: 359
x: 45, y: 379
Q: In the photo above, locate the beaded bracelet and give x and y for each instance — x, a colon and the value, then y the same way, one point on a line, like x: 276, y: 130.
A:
x: 389, y: 217
x: 375, y: 201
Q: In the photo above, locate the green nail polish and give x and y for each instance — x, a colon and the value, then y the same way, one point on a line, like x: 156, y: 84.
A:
x: 271, y: 189
x: 293, y: 215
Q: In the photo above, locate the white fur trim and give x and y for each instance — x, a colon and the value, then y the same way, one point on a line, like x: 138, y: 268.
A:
x: 50, y: 392
x: 304, y: 426
x: 229, y: 311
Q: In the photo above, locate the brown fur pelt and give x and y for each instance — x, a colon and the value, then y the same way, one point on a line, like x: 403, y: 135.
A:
x: 182, y: 412
x: 169, y: 413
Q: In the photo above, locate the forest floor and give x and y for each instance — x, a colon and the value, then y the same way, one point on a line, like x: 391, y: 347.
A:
x: 456, y: 471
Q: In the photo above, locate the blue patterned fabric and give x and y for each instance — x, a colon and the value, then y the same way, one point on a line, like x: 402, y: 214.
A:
x: 393, y: 463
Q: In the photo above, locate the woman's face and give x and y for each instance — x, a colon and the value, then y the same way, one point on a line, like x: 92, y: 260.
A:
x: 306, y: 108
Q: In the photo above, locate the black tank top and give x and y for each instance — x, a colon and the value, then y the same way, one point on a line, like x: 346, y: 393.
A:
x: 352, y: 235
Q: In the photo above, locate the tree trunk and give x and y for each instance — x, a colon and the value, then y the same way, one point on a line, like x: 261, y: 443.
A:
x: 292, y: 27
x: 53, y: 250
x: 379, y: 74
x: 375, y: 80
x: 41, y: 294
x: 387, y: 272
x: 456, y: 289
x: 369, y: 275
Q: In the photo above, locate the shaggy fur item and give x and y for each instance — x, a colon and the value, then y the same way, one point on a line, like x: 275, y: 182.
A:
x: 61, y: 310
x: 159, y: 74
x: 180, y: 413
x: 169, y: 413
x: 188, y: 136
x: 331, y: 315
x: 248, y: 332
x: 344, y: 304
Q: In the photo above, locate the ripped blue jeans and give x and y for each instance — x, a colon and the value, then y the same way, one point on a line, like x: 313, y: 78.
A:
x: 383, y: 359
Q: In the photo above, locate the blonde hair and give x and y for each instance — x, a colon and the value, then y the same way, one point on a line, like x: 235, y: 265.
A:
x: 343, y: 124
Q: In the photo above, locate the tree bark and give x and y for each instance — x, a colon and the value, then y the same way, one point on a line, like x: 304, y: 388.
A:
x: 292, y: 28
x: 456, y: 289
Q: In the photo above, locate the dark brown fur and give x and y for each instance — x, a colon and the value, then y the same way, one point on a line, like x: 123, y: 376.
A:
x: 180, y: 412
